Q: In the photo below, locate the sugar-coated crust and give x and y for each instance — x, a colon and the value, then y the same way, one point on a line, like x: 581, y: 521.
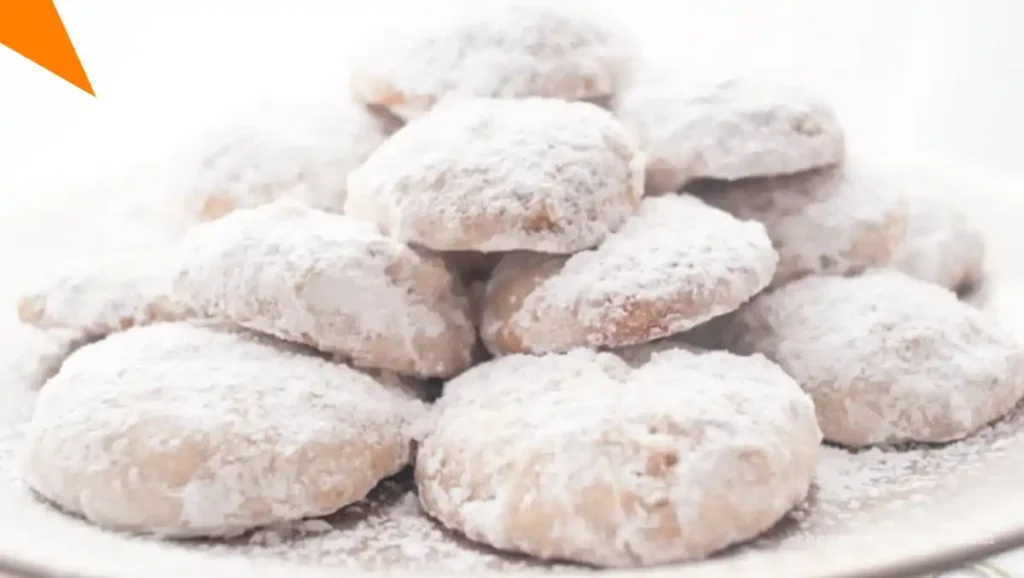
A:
x: 886, y: 357
x: 331, y: 282
x: 184, y: 430
x: 582, y: 456
x: 729, y: 130
x: 500, y: 175
x: 833, y: 221
x: 509, y: 50
x: 675, y: 264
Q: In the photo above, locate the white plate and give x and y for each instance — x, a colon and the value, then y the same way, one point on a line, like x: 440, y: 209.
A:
x: 876, y: 513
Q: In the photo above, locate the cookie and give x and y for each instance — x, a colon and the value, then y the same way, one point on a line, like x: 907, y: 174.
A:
x: 181, y: 430
x: 501, y: 175
x: 103, y: 297
x: 834, y: 221
x: 675, y: 264
x: 581, y: 456
x: 729, y: 130
x: 31, y: 356
x: 887, y: 358
x: 331, y: 282
x: 509, y: 50
x: 942, y: 246
x: 302, y: 151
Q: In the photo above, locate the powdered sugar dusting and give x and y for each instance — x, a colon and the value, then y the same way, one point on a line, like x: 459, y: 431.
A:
x: 500, y: 175
x: 886, y: 357
x: 105, y: 296
x: 582, y: 456
x: 676, y: 263
x: 331, y: 282
x: 302, y: 150
x: 732, y: 129
x: 943, y: 246
x: 183, y: 430
x: 388, y: 531
x: 509, y: 50
x: 834, y: 221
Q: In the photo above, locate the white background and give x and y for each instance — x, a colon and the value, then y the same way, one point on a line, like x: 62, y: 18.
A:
x: 945, y: 76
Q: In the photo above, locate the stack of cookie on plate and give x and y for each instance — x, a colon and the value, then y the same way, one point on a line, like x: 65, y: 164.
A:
x: 645, y: 306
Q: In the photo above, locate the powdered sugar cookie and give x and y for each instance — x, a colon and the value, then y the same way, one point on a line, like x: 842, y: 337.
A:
x: 500, y: 175
x: 511, y: 50
x: 32, y: 356
x: 104, y: 297
x: 829, y: 221
x: 184, y: 430
x: 581, y: 456
x: 729, y: 130
x: 674, y: 265
x: 942, y: 246
x: 302, y: 151
x: 331, y: 282
x: 887, y: 358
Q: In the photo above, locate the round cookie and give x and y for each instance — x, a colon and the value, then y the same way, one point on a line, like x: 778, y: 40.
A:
x: 581, y: 456
x: 833, y: 221
x: 182, y: 430
x: 887, y: 358
x: 501, y: 175
x: 302, y: 151
x: 729, y: 130
x: 942, y: 246
x: 104, y: 297
x: 510, y: 50
x: 675, y: 264
x: 331, y: 282
x: 32, y: 356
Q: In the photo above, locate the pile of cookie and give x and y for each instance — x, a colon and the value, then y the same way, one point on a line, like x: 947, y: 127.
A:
x: 606, y: 320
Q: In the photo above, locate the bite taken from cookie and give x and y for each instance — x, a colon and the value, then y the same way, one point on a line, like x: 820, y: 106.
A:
x: 502, y: 175
x: 675, y: 264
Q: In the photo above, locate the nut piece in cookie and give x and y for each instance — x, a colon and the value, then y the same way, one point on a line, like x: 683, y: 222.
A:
x: 887, y: 358
x: 833, y: 221
x: 666, y: 457
x: 331, y: 282
x: 508, y: 50
x: 495, y: 175
x: 675, y: 264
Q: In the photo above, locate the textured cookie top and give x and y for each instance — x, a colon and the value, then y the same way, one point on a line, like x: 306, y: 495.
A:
x: 104, y: 297
x: 887, y: 358
x: 329, y: 281
x: 584, y: 456
x: 498, y: 175
x: 676, y: 263
x: 729, y: 130
x: 206, y: 430
x: 509, y: 50
x: 302, y: 151
x: 834, y: 221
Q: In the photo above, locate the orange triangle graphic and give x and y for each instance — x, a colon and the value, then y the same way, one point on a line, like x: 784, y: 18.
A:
x: 33, y: 29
